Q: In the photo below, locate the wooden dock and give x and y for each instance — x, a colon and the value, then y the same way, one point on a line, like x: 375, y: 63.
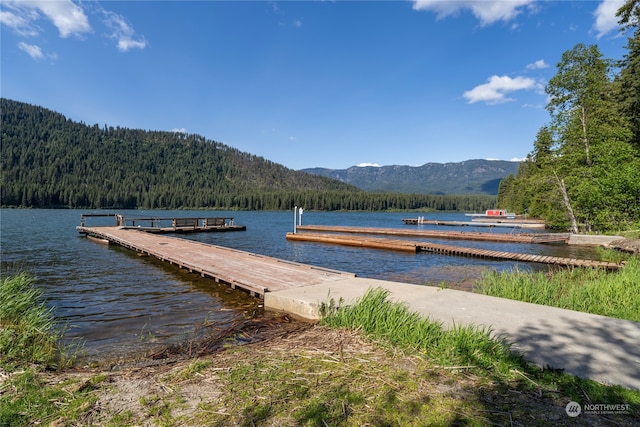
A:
x: 478, y: 222
x: 436, y: 234
x: 256, y: 274
x: 415, y: 246
x: 162, y: 225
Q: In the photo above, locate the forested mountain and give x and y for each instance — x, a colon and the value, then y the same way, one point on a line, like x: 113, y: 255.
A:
x: 584, y: 171
x: 468, y: 177
x: 49, y: 161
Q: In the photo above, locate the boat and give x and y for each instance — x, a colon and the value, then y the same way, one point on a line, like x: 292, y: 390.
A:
x: 494, y: 214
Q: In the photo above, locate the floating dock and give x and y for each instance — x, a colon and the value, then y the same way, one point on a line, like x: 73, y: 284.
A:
x: 435, y: 234
x: 256, y: 274
x: 478, y: 222
x: 161, y: 225
x: 416, y: 246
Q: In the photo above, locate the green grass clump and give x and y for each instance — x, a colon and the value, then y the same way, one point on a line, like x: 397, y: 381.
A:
x: 28, y: 329
x: 395, y: 324
x: 27, y: 399
x: 29, y: 344
x: 465, y: 347
x: 612, y: 294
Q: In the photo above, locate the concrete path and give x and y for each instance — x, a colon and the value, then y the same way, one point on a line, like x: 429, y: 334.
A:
x: 586, y: 345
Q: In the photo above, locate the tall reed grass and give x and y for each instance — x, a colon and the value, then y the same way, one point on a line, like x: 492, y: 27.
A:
x: 613, y: 294
x: 28, y: 329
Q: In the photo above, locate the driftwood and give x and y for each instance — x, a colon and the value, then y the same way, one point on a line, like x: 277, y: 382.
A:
x: 209, y: 339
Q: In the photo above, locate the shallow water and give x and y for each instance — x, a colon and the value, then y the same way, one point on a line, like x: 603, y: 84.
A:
x: 113, y: 299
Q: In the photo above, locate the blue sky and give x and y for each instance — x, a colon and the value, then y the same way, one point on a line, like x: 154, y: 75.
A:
x: 306, y: 83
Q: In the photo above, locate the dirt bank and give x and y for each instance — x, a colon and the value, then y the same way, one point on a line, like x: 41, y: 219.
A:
x: 166, y: 387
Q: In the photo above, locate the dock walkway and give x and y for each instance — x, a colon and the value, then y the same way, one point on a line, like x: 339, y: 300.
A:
x: 478, y: 222
x: 171, y: 225
x: 254, y: 273
x: 436, y: 234
x: 419, y: 246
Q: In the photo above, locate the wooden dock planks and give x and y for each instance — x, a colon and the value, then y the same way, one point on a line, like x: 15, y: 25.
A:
x: 415, y: 246
x: 357, y: 241
x: 457, y: 235
x: 192, y: 229
x: 160, y: 225
x: 479, y: 222
x: 254, y: 273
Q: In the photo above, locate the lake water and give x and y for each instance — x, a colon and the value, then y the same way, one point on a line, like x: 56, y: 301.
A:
x: 114, y: 300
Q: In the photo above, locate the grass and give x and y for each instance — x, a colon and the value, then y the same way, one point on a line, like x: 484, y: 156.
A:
x: 29, y: 345
x: 27, y: 399
x: 612, y: 294
x: 396, y: 325
x: 28, y: 329
x: 343, y: 389
x: 371, y: 363
x: 466, y: 346
x: 315, y: 387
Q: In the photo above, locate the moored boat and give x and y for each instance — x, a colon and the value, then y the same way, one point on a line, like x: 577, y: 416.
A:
x: 493, y: 213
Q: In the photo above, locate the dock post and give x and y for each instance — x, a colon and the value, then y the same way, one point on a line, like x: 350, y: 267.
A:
x: 295, y: 218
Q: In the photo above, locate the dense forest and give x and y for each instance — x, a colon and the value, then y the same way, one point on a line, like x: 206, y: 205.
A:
x: 584, y: 171
x: 49, y: 161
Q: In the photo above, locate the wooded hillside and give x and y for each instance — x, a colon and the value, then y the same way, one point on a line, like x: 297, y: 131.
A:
x: 50, y: 161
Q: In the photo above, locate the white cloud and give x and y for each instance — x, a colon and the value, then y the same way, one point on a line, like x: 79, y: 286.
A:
x: 515, y: 159
x: 364, y: 165
x: 22, y: 15
x: 32, y: 50
x: 65, y: 15
x: 487, y: 12
x: 606, y: 19
x: 179, y: 130
x: 494, y: 91
x: 21, y: 23
x: 122, y: 32
x: 537, y: 65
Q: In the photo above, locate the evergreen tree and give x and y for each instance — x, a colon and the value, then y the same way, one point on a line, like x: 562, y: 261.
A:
x: 584, y: 168
x: 628, y: 81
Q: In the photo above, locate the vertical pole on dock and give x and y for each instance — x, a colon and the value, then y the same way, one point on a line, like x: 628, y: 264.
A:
x: 295, y: 218
x: 300, y: 221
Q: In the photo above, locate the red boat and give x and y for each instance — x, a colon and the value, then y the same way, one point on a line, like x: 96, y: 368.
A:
x: 494, y: 213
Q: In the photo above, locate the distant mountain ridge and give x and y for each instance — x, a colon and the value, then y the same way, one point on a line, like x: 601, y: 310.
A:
x: 468, y: 177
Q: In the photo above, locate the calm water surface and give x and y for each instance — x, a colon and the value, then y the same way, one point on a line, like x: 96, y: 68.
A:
x: 115, y: 300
